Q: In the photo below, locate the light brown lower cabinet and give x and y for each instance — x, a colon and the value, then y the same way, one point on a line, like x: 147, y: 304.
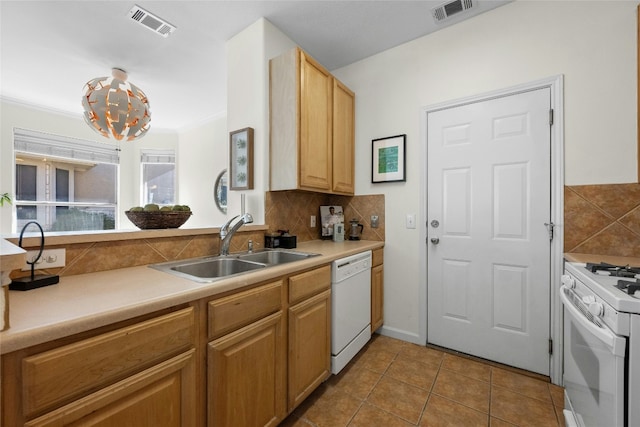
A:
x: 159, y: 396
x: 246, y: 375
x: 259, y: 372
x: 247, y: 358
x: 309, y: 346
x: 141, y: 374
x: 377, y: 290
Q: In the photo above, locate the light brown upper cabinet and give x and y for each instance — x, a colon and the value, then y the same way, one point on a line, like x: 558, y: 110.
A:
x: 312, y: 127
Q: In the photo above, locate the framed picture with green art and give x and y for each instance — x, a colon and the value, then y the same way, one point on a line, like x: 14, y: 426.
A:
x: 388, y: 158
x: 241, y: 159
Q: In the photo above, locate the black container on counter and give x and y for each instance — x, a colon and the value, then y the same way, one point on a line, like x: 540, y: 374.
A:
x: 278, y: 240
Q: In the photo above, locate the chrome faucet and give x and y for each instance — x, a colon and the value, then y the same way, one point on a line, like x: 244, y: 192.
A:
x: 226, y: 234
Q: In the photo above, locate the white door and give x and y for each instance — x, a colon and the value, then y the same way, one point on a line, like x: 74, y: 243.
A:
x: 489, y: 250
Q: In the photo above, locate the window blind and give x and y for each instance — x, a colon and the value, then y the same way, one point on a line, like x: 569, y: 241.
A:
x: 63, y: 147
x: 157, y: 156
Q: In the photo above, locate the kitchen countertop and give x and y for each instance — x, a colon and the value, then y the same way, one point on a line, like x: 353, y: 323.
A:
x: 11, y: 256
x: 87, y: 301
x: 615, y: 260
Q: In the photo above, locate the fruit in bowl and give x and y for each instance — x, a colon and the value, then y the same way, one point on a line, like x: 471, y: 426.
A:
x: 152, y: 216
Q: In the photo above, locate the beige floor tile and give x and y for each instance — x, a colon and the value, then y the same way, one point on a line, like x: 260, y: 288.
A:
x: 467, y: 367
x: 369, y: 416
x: 467, y: 391
x: 521, y: 384
x: 401, y: 399
x: 387, y: 385
x: 294, y: 421
x: 497, y: 422
x: 560, y: 417
x: 332, y: 408
x: 312, y: 399
x: 441, y: 412
x: 422, y: 354
x: 521, y: 410
x: 376, y: 360
x: 380, y: 342
x: 355, y: 381
x: 413, y: 372
x: 557, y: 395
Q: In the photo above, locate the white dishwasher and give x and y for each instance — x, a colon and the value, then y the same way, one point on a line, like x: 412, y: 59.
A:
x: 351, y: 308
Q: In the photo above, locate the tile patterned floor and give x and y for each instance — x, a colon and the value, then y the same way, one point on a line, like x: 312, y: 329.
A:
x: 393, y: 383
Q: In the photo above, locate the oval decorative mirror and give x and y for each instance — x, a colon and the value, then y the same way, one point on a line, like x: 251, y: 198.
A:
x: 220, y: 191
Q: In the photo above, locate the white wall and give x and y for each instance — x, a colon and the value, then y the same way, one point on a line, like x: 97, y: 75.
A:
x: 202, y: 154
x: 593, y: 44
x: 248, y: 55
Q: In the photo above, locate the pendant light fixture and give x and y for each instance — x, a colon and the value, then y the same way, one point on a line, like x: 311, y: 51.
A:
x: 116, y: 108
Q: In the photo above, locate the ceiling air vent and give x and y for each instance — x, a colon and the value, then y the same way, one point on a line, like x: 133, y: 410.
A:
x: 150, y: 21
x: 449, y: 9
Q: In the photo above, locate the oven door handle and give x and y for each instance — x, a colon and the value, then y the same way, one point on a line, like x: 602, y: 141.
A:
x: 616, y: 344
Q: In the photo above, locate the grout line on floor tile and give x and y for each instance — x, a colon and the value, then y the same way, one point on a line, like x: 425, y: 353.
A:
x: 424, y: 408
x: 516, y: 391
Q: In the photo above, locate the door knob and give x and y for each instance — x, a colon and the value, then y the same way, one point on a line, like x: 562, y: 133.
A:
x: 435, y: 240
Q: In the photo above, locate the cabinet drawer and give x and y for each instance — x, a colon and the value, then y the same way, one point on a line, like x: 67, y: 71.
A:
x: 66, y: 373
x: 310, y: 283
x: 377, y: 257
x: 162, y: 395
x: 235, y: 311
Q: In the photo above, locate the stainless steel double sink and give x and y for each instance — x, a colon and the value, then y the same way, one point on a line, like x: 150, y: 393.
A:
x: 210, y: 269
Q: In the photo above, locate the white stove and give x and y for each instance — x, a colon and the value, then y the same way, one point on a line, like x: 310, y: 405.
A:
x: 601, y: 345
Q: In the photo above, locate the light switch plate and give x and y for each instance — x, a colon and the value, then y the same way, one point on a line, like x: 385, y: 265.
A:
x: 312, y: 223
x: 51, y: 258
x: 411, y: 221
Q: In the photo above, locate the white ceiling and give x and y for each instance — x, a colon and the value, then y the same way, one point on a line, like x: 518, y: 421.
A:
x: 50, y: 49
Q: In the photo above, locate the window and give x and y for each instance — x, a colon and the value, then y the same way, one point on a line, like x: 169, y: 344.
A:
x: 65, y: 184
x: 158, y: 169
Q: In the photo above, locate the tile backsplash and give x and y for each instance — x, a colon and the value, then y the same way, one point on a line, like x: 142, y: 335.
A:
x: 602, y: 219
x: 90, y: 257
x: 292, y: 210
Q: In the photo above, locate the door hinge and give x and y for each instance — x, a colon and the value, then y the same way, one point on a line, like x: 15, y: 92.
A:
x: 550, y: 346
x: 550, y: 226
x: 551, y: 117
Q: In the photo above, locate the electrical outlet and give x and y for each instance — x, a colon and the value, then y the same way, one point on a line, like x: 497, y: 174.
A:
x: 374, y: 221
x: 51, y: 258
x: 313, y: 221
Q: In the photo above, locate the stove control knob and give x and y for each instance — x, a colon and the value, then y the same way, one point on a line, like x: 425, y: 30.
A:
x: 568, y: 281
x: 596, y: 308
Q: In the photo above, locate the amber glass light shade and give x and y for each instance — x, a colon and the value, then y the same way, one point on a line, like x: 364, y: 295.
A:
x: 116, y: 108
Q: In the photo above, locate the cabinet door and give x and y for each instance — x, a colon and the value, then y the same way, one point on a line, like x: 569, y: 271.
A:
x: 246, y: 375
x: 309, y: 346
x: 343, y: 139
x: 377, y: 297
x: 163, y: 396
x: 315, y: 125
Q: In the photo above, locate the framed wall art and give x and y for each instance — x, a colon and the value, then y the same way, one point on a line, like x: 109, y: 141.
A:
x: 388, y: 159
x: 241, y: 159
